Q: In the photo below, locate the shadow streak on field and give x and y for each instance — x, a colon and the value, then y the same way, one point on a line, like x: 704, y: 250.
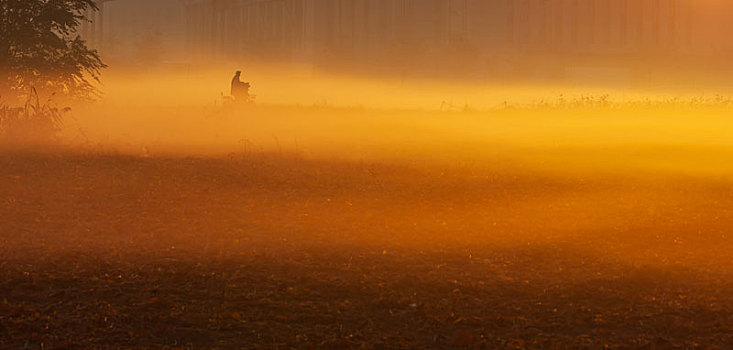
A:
x: 272, y: 251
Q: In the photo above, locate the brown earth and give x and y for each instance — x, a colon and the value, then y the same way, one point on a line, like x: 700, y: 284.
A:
x: 261, y: 251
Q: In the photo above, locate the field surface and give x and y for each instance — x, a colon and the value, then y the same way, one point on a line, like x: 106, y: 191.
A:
x: 278, y: 252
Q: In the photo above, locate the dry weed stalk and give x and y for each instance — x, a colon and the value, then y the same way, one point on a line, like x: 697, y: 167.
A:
x: 33, y: 122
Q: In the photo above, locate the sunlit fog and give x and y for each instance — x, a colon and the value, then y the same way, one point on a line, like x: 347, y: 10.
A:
x: 373, y: 174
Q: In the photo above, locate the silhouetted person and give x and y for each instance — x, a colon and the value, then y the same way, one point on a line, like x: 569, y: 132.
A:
x: 240, y: 90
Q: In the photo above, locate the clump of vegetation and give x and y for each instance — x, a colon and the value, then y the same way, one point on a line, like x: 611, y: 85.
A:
x: 40, y: 47
x: 42, y: 54
x: 33, y: 122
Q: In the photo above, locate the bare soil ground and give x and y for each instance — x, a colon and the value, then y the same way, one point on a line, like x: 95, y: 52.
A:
x: 274, y: 252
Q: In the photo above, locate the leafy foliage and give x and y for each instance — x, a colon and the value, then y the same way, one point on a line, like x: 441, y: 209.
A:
x: 40, y: 47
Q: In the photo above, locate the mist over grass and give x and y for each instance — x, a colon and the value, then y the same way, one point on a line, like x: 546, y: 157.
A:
x: 544, y: 127
x: 164, y: 217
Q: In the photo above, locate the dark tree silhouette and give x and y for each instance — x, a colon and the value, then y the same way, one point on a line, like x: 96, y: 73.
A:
x: 40, y: 48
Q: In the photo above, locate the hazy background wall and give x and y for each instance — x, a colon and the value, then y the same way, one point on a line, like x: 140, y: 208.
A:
x: 139, y: 31
x: 547, y: 39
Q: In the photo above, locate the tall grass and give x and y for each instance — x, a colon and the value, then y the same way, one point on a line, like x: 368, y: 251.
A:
x: 563, y: 102
x: 31, y: 123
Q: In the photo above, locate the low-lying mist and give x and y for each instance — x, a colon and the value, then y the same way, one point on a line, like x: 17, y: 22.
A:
x: 553, y: 214
x: 541, y: 126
